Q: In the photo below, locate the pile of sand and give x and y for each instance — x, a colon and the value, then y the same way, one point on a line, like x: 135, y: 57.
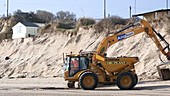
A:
x: 42, y: 56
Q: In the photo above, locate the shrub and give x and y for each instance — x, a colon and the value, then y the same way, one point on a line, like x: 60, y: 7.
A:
x: 66, y: 25
x: 103, y: 24
x: 109, y: 23
x: 118, y: 20
x: 86, y: 21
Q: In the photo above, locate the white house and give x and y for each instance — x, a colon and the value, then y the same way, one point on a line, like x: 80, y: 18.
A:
x: 24, y: 30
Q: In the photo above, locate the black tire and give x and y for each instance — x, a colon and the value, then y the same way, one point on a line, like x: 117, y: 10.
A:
x: 70, y: 84
x: 88, y: 81
x: 126, y: 81
x: 136, y: 79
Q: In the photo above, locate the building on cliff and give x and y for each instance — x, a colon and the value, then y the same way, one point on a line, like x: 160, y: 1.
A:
x: 156, y: 15
x: 25, y: 29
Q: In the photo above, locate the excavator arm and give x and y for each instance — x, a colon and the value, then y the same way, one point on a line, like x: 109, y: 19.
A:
x: 131, y: 30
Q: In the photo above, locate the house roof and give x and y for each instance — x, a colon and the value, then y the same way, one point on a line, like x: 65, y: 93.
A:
x: 141, y: 14
x: 40, y: 24
x: 29, y: 24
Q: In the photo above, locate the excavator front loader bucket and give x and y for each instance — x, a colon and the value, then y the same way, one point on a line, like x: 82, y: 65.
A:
x: 164, y: 71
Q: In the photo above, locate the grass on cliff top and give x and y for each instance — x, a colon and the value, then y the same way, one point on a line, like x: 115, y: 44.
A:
x: 86, y: 23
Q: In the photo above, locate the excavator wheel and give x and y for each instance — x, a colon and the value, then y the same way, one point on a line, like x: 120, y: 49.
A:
x: 136, y: 77
x: 126, y: 81
x: 70, y: 84
x: 88, y: 81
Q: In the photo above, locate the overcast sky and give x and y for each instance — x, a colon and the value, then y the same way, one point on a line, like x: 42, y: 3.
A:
x: 85, y: 8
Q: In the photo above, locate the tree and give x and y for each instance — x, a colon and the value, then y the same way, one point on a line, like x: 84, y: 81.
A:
x: 44, y: 15
x: 17, y: 12
x: 21, y: 16
x: 40, y: 16
x: 65, y: 16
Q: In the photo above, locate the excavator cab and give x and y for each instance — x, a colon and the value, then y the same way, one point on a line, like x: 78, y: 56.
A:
x: 74, y: 64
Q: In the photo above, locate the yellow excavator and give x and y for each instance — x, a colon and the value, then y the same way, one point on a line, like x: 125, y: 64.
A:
x: 93, y: 68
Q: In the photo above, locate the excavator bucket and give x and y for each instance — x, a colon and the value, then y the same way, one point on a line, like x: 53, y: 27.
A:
x: 164, y: 71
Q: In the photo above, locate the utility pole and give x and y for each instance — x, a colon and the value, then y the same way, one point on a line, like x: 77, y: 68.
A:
x: 130, y: 11
x: 104, y: 9
x: 7, y: 13
x: 135, y: 6
x: 167, y: 4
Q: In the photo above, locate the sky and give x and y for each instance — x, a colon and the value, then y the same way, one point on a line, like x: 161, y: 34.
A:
x: 85, y: 8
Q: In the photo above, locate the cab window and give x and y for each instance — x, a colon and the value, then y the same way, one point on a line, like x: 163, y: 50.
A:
x: 83, y: 63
